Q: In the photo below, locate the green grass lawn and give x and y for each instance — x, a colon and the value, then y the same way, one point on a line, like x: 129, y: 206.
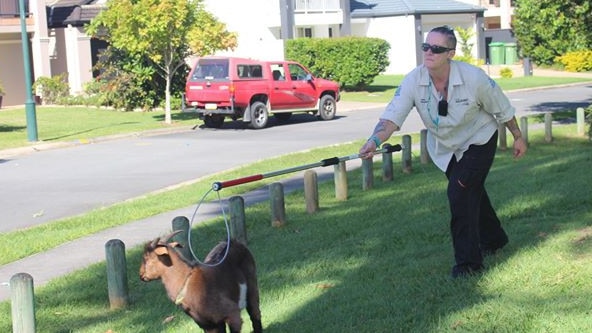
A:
x: 380, y: 261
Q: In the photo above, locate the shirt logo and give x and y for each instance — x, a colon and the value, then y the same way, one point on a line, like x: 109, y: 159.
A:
x: 398, y: 91
x: 492, y: 83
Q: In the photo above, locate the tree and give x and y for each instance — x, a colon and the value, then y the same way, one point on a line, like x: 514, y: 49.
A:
x: 546, y: 29
x: 166, y: 32
x: 466, y: 47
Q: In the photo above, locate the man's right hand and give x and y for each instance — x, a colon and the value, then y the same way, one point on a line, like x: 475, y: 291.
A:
x: 367, y: 150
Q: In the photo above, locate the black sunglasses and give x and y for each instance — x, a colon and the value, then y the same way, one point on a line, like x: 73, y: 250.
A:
x: 436, y: 49
x: 443, y: 108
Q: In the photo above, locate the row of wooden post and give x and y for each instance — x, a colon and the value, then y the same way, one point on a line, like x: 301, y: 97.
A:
x: 22, y: 295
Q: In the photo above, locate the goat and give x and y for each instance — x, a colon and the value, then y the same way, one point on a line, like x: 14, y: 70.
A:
x: 213, y: 293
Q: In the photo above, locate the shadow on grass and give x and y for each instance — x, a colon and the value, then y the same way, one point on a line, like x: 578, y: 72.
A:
x: 377, y: 262
x: 371, y: 88
x: 9, y: 128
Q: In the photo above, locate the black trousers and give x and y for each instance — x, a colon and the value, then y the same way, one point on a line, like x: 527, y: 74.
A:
x: 474, y: 225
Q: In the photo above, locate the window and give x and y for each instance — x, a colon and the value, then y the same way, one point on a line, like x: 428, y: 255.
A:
x: 211, y: 69
x: 247, y: 71
x: 278, y: 72
x: 305, y: 32
x: 297, y: 73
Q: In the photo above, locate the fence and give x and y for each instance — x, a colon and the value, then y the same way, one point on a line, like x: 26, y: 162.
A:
x: 22, y: 295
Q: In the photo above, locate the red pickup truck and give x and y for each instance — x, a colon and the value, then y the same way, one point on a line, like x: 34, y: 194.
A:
x: 251, y: 90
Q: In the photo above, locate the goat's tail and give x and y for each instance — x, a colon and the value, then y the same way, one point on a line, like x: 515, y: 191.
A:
x: 249, y: 269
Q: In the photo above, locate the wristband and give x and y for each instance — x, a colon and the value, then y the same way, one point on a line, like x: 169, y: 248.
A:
x: 376, y: 140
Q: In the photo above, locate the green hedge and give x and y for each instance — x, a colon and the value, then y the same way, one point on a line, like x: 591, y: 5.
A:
x: 354, y: 62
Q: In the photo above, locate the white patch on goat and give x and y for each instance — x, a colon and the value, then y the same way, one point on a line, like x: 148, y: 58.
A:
x: 242, y: 301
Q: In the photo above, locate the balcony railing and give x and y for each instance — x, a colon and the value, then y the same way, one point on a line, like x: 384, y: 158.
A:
x: 316, y: 6
x: 11, y: 8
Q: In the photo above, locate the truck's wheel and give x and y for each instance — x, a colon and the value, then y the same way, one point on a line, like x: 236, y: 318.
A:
x: 327, y: 107
x: 214, y: 121
x: 259, y: 115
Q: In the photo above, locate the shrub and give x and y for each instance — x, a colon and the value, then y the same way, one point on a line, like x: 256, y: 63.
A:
x: 578, y: 61
x: 506, y: 73
x: 469, y: 59
x: 51, y: 89
x: 351, y: 61
x: 466, y: 47
x: 126, y: 83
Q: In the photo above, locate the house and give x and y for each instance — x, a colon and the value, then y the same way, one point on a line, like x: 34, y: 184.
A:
x: 59, y: 44
x: 402, y: 23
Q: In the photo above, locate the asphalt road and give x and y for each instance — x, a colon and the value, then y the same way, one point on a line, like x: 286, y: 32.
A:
x: 56, y: 183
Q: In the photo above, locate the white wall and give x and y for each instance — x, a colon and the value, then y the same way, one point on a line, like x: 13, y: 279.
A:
x: 12, y: 71
x: 257, y: 24
x: 399, y: 32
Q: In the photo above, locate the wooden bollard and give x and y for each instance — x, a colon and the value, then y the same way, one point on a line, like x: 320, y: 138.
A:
x: 524, y: 128
x: 238, y: 226
x: 278, y: 209
x: 116, y: 273
x: 387, y: 165
x: 580, y: 120
x: 423, y: 146
x: 406, y: 156
x: 367, y: 174
x: 548, y: 127
x: 340, y: 179
x: 311, y: 191
x: 23, y: 303
x: 181, y: 223
x: 503, y: 140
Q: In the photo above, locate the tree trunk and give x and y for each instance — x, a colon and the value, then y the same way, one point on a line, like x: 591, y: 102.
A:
x: 167, y: 100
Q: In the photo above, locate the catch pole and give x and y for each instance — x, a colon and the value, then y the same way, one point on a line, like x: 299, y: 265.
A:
x: 217, y: 186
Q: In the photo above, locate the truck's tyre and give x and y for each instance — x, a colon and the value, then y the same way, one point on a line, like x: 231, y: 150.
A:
x: 259, y: 115
x: 214, y: 121
x: 283, y: 116
x: 327, y: 107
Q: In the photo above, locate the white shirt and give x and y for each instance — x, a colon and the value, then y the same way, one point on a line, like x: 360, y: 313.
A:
x: 476, y: 105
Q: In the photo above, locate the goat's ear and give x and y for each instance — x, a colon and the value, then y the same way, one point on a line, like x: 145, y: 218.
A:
x: 175, y: 244
x: 161, y: 250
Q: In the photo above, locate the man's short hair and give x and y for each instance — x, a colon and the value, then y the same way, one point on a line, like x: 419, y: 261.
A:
x: 449, y: 32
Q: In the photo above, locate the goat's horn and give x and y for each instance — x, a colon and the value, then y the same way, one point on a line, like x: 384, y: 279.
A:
x: 154, y: 242
x: 169, y: 236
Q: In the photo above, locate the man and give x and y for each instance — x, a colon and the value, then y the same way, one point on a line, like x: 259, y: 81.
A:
x: 461, y: 108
